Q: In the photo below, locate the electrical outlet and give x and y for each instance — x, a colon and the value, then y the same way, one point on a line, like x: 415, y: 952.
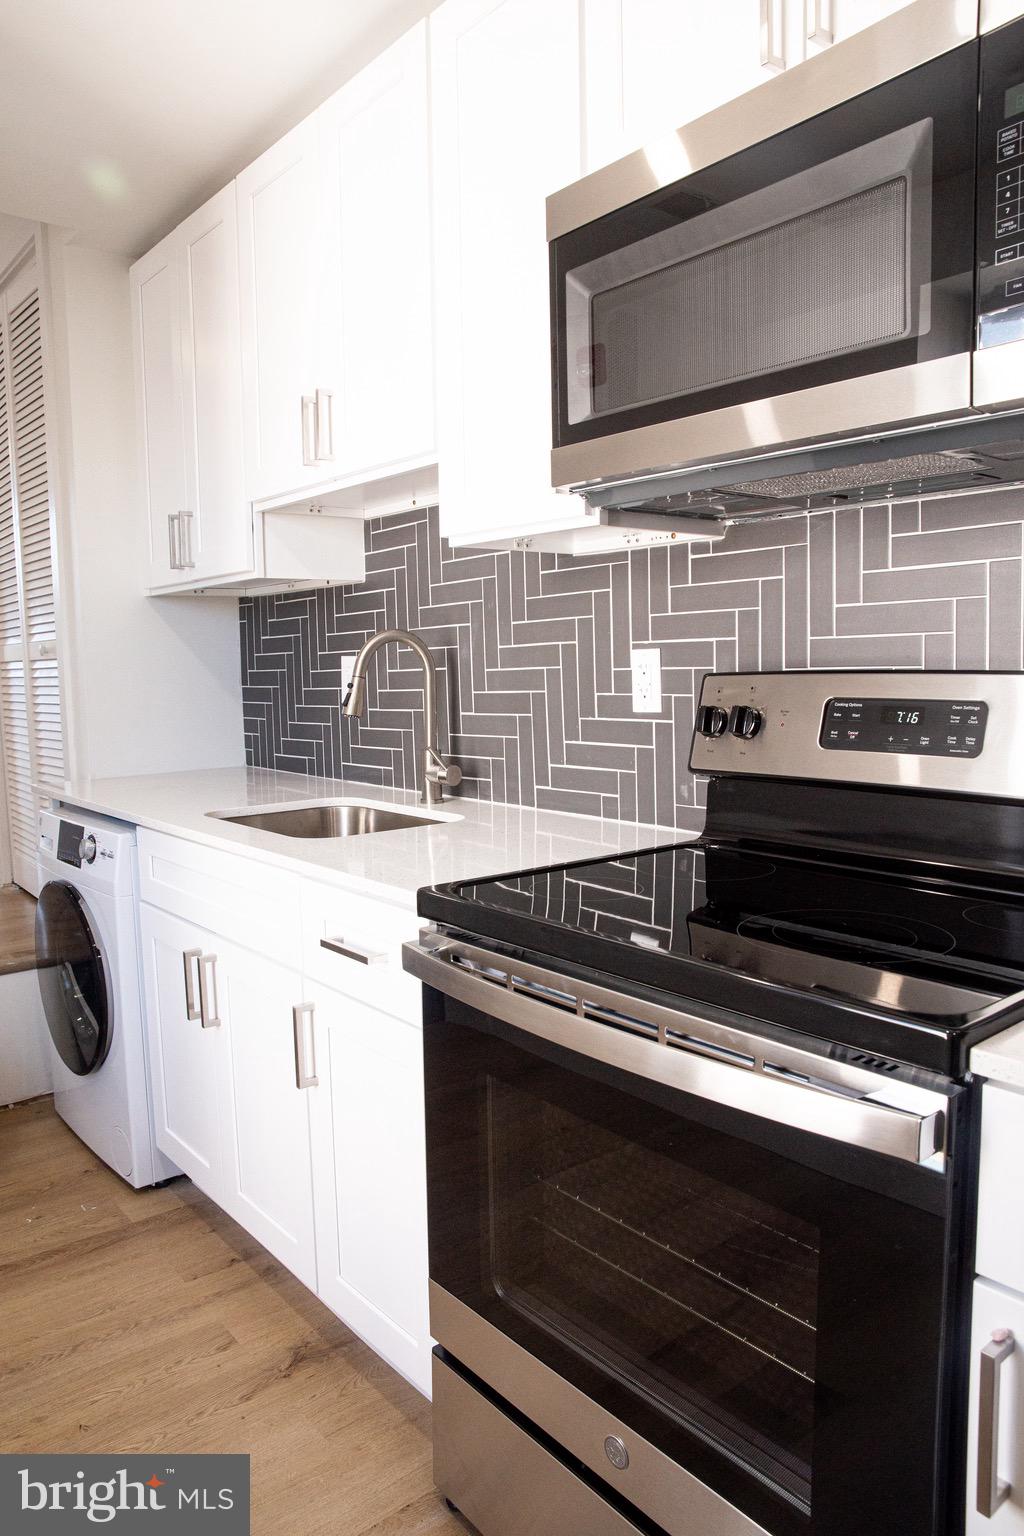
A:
x: 347, y: 665
x: 646, y: 668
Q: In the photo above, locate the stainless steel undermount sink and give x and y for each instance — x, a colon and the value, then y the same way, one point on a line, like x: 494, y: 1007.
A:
x: 330, y: 820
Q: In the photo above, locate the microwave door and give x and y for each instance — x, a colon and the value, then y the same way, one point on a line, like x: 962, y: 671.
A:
x: 827, y: 262
x: 811, y: 286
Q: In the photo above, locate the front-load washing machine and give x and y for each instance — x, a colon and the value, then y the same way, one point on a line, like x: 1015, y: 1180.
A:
x: 87, y: 952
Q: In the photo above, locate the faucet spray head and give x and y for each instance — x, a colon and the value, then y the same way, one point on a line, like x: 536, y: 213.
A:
x: 355, y: 699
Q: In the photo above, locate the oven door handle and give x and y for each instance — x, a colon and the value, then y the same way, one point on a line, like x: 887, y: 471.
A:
x: 839, y: 1102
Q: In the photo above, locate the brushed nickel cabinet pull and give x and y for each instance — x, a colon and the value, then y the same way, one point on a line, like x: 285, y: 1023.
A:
x: 818, y: 22
x: 991, y: 1491
x: 210, y: 1017
x: 188, y: 955
x: 172, y: 541
x: 305, y: 1075
x: 351, y: 952
x: 772, y: 56
x: 308, y: 429
x: 187, y: 560
x: 324, y: 425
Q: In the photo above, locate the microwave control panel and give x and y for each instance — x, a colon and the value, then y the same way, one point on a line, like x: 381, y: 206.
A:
x: 1001, y: 188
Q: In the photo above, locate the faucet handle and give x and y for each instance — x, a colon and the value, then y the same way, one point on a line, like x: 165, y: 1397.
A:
x: 440, y: 772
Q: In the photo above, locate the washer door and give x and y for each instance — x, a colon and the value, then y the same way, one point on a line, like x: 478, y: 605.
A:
x: 71, y: 979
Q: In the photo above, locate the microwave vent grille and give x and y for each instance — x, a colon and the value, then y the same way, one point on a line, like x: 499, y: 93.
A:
x: 923, y: 467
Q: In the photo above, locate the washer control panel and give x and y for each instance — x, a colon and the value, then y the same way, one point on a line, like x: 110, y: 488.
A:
x: 98, y: 847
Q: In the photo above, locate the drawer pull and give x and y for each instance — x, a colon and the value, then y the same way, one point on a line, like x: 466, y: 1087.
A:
x: 305, y: 1075
x: 352, y: 952
x: 991, y: 1491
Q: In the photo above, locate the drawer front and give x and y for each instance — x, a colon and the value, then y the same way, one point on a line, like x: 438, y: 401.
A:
x: 246, y: 901
x: 1001, y: 1201
x: 354, y: 944
x: 995, y: 1436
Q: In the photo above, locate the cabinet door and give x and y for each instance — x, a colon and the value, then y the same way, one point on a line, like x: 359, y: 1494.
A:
x: 185, y: 1058
x: 278, y: 236
x: 220, y: 518
x: 832, y: 20
x: 267, y: 1183
x: 377, y: 292
x: 158, y: 394
x: 996, y: 1309
x: 505, y: 78
x: 371, y: 1202
x: 653, y: 65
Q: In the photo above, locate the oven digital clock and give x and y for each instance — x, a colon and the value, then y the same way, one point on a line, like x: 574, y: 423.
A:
x: 915, y: 727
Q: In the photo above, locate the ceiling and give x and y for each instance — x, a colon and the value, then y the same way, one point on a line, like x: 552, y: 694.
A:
x: 118, y: 117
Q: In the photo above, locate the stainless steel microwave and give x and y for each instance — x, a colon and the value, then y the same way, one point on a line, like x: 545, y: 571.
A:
x: 812, y: 295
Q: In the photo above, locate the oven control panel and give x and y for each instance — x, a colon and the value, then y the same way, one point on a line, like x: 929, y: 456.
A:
x: 1000, y: 236
x: 948, y: 732
x: 921, y: 727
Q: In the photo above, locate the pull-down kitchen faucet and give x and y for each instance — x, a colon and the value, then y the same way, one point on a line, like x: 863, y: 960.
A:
x: 435, y: 770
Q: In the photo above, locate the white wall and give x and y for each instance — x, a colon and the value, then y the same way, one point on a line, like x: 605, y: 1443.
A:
x: 14, y: 233
x: 154, y: 682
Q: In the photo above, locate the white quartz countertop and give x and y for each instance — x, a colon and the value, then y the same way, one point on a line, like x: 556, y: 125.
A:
x: 1001, y: 1058
x: 470, y: 838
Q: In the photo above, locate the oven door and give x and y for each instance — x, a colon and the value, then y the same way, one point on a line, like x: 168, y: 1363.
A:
x: 815, y: 283
x: 735, y: 1323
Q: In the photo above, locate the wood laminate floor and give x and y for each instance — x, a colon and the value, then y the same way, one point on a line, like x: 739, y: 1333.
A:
x: 149, y: 1321
x: 17, y: 930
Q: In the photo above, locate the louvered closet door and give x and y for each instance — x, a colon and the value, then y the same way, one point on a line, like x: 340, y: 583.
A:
x: 30, y: 692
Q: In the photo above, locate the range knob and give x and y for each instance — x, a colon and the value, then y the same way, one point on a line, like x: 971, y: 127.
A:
x: 87, y: 849
x: 745, y: 721
x: 711, y: 721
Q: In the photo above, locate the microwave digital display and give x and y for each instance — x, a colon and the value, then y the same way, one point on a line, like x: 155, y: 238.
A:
x: 1013, y: 101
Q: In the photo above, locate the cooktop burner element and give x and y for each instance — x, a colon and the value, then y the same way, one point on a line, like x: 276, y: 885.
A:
x: 868, y: 896
x: 866, y: 932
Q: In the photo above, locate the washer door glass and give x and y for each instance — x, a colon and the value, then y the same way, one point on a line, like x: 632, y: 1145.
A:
x: 71, y: 979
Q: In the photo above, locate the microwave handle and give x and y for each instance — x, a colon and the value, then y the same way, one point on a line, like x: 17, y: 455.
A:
x: 765, y: 1090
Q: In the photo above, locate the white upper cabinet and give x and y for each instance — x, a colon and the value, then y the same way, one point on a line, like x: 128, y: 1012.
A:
x: 202, y: 532
x: 158, y: 395
x: 375, y: 314
x: 830, y: 21
x: 505, y: 94
x: 334, y: 256
x: 279, y: 238
x: 653, y: 65
x: 212, y: 389
x: 189, y: 401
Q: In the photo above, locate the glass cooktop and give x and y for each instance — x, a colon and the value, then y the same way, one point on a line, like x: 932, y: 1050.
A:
x: 904, y: 940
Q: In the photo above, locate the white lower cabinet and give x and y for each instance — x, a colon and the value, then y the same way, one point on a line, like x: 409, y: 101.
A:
x: 995, y: 1310
x: 296, y: 1106
x: 370, y: 1185
x: 267, y: 1171
x: 184, y: 1057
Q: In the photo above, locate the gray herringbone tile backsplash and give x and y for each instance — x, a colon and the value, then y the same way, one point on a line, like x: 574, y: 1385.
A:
x: 534, y: 650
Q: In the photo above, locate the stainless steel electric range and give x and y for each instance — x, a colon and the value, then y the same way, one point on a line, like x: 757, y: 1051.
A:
x: 701, y: 1137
